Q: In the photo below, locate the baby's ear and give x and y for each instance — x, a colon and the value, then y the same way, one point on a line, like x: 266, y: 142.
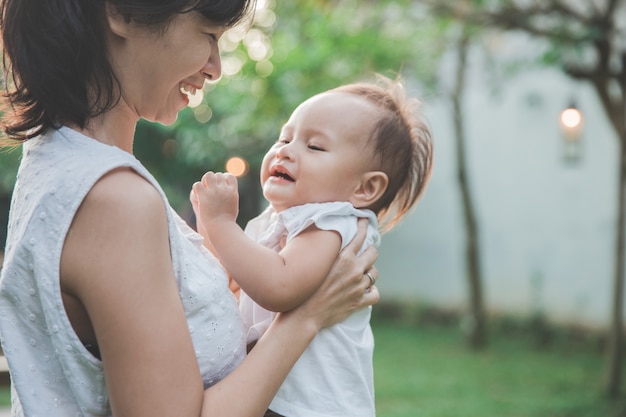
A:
x: 372, y: 186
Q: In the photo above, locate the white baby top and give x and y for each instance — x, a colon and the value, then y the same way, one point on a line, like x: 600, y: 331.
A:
x: 53, y: 374
x: 334, y: 376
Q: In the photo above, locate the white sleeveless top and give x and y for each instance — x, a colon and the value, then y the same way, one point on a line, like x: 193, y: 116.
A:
x: 334, y: 376
x: 52, y: 373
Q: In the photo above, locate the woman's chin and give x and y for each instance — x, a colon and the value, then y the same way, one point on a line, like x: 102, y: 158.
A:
x: 165, y: 118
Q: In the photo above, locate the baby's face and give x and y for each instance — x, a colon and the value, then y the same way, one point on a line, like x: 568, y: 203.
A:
x: 322, y: 152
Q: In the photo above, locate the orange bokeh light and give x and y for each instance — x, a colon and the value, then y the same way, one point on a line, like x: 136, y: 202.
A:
x: 237, y: 166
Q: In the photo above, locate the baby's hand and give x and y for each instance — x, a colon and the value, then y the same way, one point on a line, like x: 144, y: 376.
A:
x: 216, y: 197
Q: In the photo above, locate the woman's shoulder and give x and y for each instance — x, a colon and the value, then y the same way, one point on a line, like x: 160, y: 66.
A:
x: 86, y: 175
x: 60, y: 169
x: 64, y: 159
x: 123, y: 189
x: 123, y: 202
x: 122, y: 215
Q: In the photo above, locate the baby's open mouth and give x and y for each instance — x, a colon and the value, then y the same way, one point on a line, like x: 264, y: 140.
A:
x: 282, y: 174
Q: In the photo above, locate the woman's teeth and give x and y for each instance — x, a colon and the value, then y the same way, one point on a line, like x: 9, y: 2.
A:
x: 188, y: 89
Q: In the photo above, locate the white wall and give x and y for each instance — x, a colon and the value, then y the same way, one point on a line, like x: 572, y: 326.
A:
x: 547, y: 228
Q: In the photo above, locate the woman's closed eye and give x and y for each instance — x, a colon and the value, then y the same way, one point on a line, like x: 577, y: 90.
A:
x: 211, y: 33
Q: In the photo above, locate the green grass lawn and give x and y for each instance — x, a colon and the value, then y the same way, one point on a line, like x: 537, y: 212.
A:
x: 429, y: 372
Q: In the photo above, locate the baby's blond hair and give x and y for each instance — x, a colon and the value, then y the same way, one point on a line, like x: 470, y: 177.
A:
x: 402, y: 147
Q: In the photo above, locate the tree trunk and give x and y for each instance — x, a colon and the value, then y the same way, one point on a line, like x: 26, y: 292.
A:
x: 475, y: 326
x: 616, y: 337
x: 617, y: 114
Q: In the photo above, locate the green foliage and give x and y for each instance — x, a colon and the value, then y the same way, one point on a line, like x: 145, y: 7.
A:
x: 9, y: 160
x: 315, y: 45
x: 426, y: 372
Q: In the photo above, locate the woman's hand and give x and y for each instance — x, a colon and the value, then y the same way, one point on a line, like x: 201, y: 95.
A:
x: 347, y: 287
x: 345, y: 290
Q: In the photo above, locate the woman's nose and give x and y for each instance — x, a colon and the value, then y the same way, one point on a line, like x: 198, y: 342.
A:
x: 213, y: 68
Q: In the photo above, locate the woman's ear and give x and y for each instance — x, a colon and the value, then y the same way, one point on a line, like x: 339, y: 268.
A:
x: 118, y: 23
x: 372, y: 186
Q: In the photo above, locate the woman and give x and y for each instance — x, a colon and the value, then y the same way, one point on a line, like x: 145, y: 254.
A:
x: 107, y: 304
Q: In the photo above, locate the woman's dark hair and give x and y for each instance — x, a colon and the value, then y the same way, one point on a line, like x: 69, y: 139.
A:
x: 55, y: 61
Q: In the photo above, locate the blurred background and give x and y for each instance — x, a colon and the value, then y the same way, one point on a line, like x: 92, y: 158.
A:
x: 522, y: 227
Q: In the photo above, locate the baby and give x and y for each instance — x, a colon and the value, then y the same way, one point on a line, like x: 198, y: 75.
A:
x: 357, y: 151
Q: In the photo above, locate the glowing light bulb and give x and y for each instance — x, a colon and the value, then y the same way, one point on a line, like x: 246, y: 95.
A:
x: 571, y: 120
x: 571, y: 117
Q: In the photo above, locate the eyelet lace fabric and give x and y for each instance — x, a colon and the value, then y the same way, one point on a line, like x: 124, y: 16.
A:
x: 52, y: 373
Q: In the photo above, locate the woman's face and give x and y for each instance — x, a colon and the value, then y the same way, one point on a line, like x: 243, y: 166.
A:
x: 156, y: 70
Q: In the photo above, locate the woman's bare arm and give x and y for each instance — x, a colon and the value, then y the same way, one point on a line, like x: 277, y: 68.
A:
x: 344, y: 291
x: 116, y: 262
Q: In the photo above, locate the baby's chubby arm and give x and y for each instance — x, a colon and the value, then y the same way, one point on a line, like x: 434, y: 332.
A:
x: 228, y: 193
x: 276, y: 281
